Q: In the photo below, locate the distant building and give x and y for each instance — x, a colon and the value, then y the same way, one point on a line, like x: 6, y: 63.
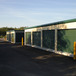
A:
x: 14, y: 36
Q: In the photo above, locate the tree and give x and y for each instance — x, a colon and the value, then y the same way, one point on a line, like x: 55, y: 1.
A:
x: 4, y: 29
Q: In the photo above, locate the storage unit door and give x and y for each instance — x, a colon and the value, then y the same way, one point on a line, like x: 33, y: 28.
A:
x: 66, y: 40
x: 49, y: 39
x: 28, y: 37
x: 19, y: 37
x: 9, y: 37
x: 37, y: 38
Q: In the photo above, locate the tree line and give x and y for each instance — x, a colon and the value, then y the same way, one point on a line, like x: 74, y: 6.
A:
x: 4, y: 29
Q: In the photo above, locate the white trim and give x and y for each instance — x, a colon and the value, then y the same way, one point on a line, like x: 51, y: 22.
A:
x: 8, y: 41
x: 65, y: 53
x: 16, y: 43
x: 71, y: 25
x: 19, y: 31
x: 55, y: 40
x: 24, y: 38
x: 12, y: 42
x: 11, y: 37
x: 15, y: 38
x: 50, y: 50
x: 31, y: 38
x: 28, y: 45
x: 41, y: 38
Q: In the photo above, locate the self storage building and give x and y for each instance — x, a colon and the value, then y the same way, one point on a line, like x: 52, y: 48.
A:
x: 15, y: 36
x: 8, y: 35
x: 58, y: 37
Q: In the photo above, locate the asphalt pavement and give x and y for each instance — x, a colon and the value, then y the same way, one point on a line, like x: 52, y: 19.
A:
x: 17, y: 60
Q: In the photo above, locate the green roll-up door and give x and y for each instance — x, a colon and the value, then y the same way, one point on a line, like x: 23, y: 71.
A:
x: 49, y: 39
x: 28, y: 37
x: 37, y: 38
x: 66, y: 40
x: 8, y: 37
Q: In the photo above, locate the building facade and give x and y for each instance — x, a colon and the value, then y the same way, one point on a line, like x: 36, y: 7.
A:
x: 58, y: 37
x: 15, y: 36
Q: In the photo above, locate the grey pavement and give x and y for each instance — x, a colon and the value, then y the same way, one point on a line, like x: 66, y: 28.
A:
x: 16, y: 60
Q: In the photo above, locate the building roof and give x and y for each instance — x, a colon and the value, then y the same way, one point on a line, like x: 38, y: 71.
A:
x: 14, y: 30
x: 55, y: 23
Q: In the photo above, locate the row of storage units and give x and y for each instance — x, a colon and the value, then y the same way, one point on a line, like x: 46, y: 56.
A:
x: 14, y: 36
x: 57, y: 37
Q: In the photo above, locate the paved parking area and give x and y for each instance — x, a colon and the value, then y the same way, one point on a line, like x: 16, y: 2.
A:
x: 16, y: 60
x: 1, y: 39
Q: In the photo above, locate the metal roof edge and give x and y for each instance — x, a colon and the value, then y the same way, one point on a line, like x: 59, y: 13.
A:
x: 55, y: 23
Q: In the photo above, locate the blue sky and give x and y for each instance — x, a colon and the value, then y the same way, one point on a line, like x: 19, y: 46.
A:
x: 18, y: 13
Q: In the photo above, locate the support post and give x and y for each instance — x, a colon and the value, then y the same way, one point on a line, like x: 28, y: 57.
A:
x: 22, y: 41
x: 31, y: 38
x: 24, y: 37
x: 41, y: 38
x: 55, y: 40
x: 4, y: 39
x: 74, y: 51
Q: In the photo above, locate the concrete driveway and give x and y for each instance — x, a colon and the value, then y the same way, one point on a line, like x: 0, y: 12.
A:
x: 16, y: 60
